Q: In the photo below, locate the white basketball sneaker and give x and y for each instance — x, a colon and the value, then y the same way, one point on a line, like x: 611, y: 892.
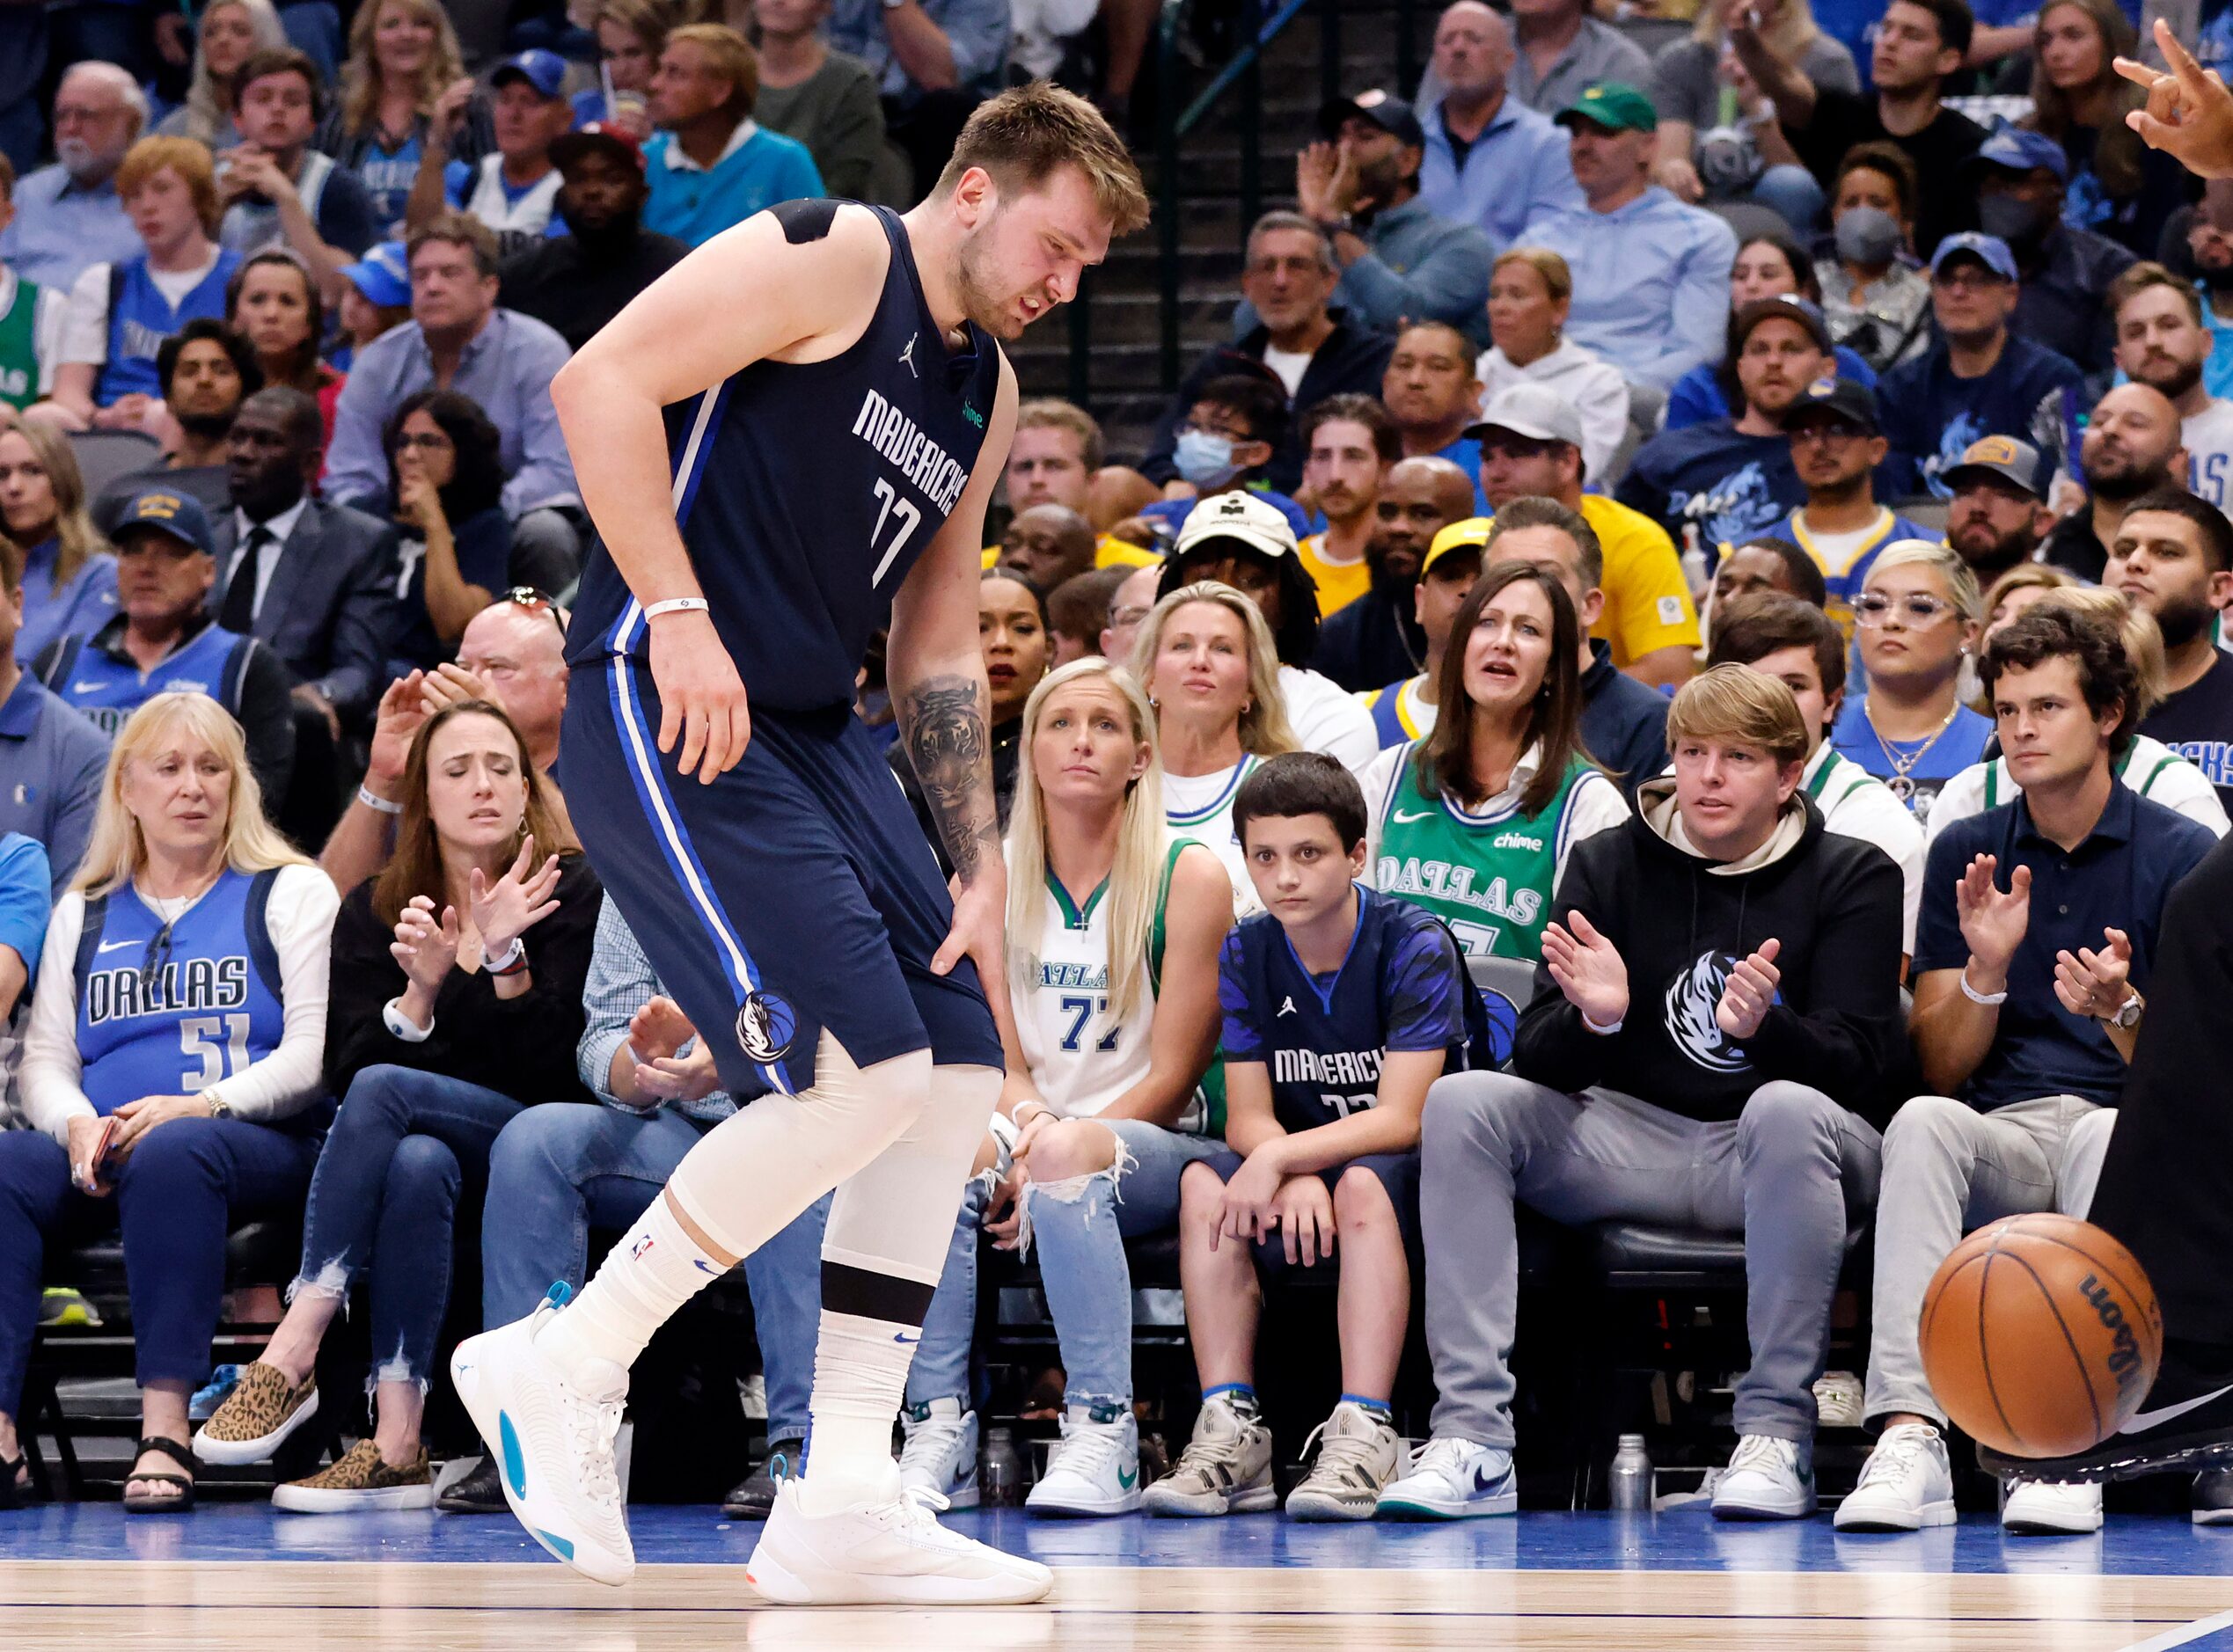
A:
x: 552, y: 1442
x: 1768, y: 1479
x: 1096, y: 1469
x: 940, y: 1451
x: 886, y: 1549
x: 2039, y: 1507
x: 1450, y: 1479
x: 1905, y: 1485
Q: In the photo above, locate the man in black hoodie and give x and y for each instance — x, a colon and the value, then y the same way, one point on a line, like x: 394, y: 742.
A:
x: 1724, y: 955
x: 576, y: 283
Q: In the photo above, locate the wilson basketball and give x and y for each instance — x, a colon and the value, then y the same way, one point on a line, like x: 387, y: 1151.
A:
x: 2041, y: 1335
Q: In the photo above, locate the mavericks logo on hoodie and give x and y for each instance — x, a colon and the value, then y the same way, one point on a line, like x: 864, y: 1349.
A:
x: 1691, y: 998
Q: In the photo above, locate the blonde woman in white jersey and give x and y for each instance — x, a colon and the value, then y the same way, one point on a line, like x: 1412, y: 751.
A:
x: 1114, y: 928
x: 1211, y: 669
x: 2149, y: 767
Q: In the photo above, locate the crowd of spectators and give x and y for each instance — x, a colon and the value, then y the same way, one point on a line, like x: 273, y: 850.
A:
x: 1792, y: 467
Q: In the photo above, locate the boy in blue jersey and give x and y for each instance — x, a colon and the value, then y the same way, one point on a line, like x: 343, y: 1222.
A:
x: 1341, y: 1007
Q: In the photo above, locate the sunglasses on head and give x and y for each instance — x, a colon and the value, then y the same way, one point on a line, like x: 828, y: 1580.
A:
x: 528, y: 596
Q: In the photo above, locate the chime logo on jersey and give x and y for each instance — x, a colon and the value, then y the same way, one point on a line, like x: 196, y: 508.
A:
x: 920, y: 460
x: 1312, y: 1066
x: 1411, y: 875
x: 185, y: 984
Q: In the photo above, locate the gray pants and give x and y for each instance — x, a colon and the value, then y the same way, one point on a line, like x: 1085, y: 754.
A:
x: 1949, y: 1168
x: 1789, y: 1173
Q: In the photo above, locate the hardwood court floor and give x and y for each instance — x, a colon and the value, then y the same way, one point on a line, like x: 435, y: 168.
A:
x: 238, y: 1576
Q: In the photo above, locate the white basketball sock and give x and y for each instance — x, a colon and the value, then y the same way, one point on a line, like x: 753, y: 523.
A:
x: 748, y: 1178
x: 881, y: 1255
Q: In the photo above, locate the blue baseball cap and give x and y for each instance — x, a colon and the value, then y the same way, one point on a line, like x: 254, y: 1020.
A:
x: 1988, y: 250
x: 382, y: 275
x: 546, y: 71
x: 2022, y: 151
x: 177, y: 514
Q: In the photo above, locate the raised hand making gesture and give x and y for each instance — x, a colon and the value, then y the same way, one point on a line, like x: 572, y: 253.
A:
x: 1992, y: 921
x: 513, y: 904
x: 1588, y: 968
x: 1749, y: 993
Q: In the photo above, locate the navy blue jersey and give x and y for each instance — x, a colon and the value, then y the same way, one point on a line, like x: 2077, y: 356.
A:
x: 1402, y: 987
x: 1730, y: 485
x: 805, y: 492
x: 172, y: 1008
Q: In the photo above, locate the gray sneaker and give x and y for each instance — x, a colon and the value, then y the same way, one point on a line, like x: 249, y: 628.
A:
x: 2212, y: 1501
x: 1225, y: 1469
x: 1358, y: 1456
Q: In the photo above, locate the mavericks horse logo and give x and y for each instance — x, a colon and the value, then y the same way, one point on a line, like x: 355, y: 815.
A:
x: 765, y: 1026
x: 1690, y: 1001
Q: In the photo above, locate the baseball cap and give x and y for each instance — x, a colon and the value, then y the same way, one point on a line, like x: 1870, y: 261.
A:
x: 1846, y: 400
x: 1988, y: 250
x: 1383, y: 109
x: 1469, y: 534
x: 1614, y: 105
x: 568, y: 146
x: 546, y: 71
x: 1258, y: 525
x: 1534, y: 410
x: 2023, y: 151
x: 177, y: 514
x: 2017, y: 463
x: 1781, y: 307
x: 382, y: 275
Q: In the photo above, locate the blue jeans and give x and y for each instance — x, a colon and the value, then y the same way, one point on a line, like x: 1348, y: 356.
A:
x: 557, y: 1171
x: 1079, y: 1226
x: 385, y: 1197
x: 176, y: 1198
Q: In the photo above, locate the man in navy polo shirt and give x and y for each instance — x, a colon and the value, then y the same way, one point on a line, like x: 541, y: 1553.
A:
x: 51, y: 759
x: 164, y: 639
x: 2037, y: 934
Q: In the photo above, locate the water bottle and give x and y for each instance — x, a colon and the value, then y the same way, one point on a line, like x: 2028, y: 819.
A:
x: 1631, y: 1476
x: 999, y: 1471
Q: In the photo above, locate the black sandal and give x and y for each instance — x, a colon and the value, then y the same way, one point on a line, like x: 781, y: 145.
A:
x: 178, y: 1454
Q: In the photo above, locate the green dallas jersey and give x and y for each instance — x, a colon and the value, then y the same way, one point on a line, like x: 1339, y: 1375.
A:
x: 1488, y: 876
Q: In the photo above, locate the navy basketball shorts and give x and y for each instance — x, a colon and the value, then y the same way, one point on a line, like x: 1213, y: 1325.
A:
x: 1399, y: 1178
x: 794, y: 892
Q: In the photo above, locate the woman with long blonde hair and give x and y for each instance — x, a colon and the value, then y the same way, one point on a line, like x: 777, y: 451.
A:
x: 1207, y: 660
x: 404, y: 79
x: 172, y: 1070
x: 229, y: 32
x: 68, y: 571
x: 2147, y: 766
x: 1113, y: 930
x: 458, y: 975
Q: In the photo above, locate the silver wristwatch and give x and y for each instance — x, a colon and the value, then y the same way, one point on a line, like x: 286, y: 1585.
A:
x: 2127, y: 1014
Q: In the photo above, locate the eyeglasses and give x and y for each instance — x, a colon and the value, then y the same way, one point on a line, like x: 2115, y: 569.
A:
x: 1873, y: 608
x: 434, y: 442
x: 1967, y: 279
x: 528, y: 596
x: 153, y: 962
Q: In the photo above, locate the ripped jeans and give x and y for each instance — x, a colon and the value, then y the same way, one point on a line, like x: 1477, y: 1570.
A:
x: 1078, y: 1229
x: 384, y: 1196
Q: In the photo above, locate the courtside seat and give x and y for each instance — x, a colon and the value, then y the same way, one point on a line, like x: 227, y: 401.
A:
x: 262, y: 1251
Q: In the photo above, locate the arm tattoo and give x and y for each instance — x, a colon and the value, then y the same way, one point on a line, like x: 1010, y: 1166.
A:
x: 942, y: 721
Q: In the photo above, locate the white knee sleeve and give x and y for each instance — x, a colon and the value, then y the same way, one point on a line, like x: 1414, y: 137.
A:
x: 896, y: 1215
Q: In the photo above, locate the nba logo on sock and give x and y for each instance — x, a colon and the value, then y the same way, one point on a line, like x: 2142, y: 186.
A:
x: 642, y: 1247
x: 765, y: 1027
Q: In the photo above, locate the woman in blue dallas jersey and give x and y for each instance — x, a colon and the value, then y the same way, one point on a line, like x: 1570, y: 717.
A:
x: 171, y: 1071
x: 1114, y: 927
x: 1212, y: 671
x: 1474, y: 823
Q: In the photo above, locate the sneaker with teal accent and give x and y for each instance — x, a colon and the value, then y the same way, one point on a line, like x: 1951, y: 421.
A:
x: 1096, y: 1469
x: 1768, y: 1479
x: 939, y: 1452
x: 1450, y: 1479
x: 552, y: 1440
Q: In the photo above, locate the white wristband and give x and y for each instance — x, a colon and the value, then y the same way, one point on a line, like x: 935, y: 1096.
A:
x: 402, y: 1026
x: 678, y: 605
x: 376, y: 803
x: 1988, y: 999
x: 1602, y: 1031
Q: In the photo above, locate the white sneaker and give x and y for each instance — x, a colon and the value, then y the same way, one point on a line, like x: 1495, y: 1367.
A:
x: 551, y: 1441
x: 1095, y: 1468
x: 2041, y: 1507
x: 2212, y: 1504
x: 1905, y: 1486
x: 1837, y: 1401
x: 940, y: 1454
x: 1357, y: 1456
x: 883, y: 1551
x: 1768, y: 1479
x: 1453, y: 1480
x: 1225, y: 1469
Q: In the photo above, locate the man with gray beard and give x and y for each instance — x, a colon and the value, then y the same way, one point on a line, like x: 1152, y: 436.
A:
x: 68, y: 215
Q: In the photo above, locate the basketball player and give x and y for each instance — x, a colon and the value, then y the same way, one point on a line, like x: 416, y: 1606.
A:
x: 791, y: 435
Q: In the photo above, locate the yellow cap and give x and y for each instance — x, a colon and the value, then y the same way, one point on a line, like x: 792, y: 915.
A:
x: 1471, y: 534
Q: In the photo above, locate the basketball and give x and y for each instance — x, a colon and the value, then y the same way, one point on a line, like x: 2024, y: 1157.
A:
x: 2041, y: 1335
